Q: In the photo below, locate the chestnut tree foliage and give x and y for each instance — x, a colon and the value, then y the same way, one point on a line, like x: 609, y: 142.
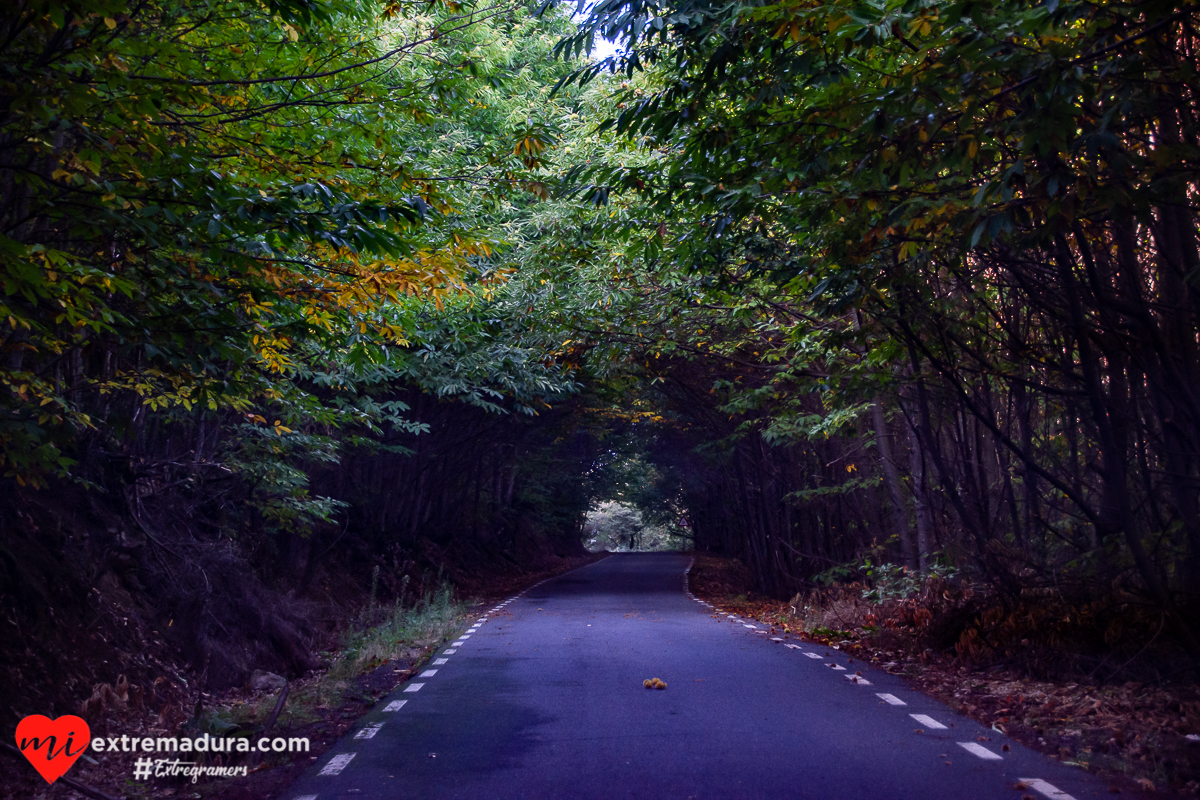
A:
x: 929, y: 273
x: 916, y: 280
x: 238, y: 212
x: 249, y: 253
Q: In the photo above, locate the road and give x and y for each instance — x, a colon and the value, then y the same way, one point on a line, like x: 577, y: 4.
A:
x: 543, y: 698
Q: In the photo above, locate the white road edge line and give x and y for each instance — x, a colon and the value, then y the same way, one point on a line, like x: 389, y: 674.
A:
x: 395, y: 705
x: 414, y: 687
x: 337, y: 764
x: 974, y: 748
x: 930, y: 722
x: 1039, y: 785
x: 891, y: 699
x: 369, y: 731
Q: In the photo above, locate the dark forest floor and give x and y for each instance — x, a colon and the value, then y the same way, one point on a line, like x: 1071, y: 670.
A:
x: 1134, y: 734
x: 312, y: 709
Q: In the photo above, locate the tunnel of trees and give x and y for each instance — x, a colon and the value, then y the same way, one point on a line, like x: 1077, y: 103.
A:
x: 315, y: 285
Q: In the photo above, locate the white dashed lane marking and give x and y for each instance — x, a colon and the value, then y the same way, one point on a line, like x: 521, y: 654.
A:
x: 891, y: 699
x: 414, y: 687
x: 449, y: 652
x: 1040, y: 786
x: 979, y: 750
x: 813, y: 655
x: 429, y: 673
x: 305, y: 797
x: 437, y: 662
x: 859, y: 679
x: 395, y: 705
x: 837, y: 667
x: 337, y: 764
x: 929, y: 722
x: 464, y: 637
x: 794, y: 647
x: 369, y: 731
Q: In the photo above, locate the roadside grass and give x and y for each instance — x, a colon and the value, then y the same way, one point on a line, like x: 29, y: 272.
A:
x: 402, y: 631
x: 380, y: 635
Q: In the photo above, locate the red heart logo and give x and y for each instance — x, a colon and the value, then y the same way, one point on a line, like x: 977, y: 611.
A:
x: 53, y: 745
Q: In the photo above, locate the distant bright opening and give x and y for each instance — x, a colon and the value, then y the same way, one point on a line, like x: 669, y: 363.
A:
x: 618, y: 527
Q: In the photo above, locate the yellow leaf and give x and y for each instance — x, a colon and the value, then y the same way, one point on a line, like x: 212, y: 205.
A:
x: 110, y: 22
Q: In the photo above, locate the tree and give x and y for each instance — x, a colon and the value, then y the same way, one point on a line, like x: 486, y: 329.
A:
x: 987, y: 210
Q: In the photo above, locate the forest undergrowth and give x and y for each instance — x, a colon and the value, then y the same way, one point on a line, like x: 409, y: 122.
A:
x: 1027, y: 671
x: 374, y: 645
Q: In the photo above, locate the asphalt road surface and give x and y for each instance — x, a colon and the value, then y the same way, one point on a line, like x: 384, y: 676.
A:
x: 543, y: 698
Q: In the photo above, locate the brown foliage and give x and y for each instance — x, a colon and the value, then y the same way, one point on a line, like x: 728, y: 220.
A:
x: 1019, y: 669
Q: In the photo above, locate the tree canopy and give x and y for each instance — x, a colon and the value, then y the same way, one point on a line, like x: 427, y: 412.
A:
x: 844, y: 278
